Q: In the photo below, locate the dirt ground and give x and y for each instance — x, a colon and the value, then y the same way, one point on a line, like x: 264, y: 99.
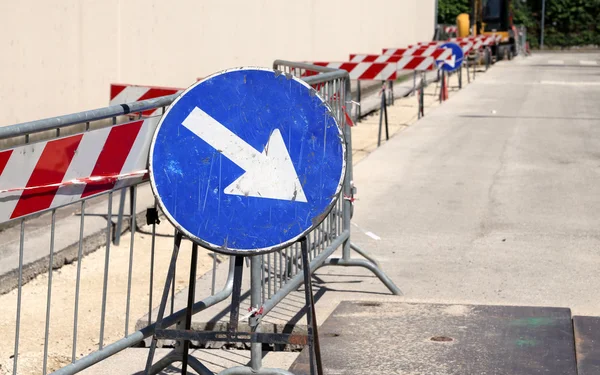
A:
x: 60, y: 340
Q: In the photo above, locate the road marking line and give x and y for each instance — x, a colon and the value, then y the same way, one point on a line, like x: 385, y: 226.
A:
x: 556, y: 62
x: 588, y: 62
x: 565, y: 83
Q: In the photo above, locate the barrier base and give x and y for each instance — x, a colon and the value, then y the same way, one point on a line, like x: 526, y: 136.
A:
x: 186, y: 335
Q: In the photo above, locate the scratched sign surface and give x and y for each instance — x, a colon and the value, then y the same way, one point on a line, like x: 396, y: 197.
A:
x: 247, y: 161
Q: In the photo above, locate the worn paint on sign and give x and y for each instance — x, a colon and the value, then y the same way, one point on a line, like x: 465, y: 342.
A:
x: 248, y: 160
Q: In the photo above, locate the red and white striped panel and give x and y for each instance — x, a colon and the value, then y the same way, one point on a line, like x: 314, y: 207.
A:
x: 411, y: 49
x: 433, y: 51
x: 450, y: 29
x: 467, y: 47
x: 124, y: 93
x: 57, y: 172
x: 367, y: 71
x: 357, y: 58
x: 419, y: 63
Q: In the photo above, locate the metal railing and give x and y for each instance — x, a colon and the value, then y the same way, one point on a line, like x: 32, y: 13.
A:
x: 280, y: 272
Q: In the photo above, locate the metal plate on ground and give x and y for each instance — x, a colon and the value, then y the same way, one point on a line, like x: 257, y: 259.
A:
x: 247, y: 161
x: 405, y: 338
x: 587, y: 344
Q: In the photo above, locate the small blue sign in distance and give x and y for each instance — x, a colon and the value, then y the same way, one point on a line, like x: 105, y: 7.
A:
x: 247, y: 161
x: 455, y: 62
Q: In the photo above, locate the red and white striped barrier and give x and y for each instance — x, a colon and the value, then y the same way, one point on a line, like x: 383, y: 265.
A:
x: 467, y: 47
x: 54, y: 173
x: 357, y: 58
x: 411, y: 48
x: 450, y: 29
x: 124, y: 93
x: 371, y: 71
x: 433, y: 51
x: 419, y: 63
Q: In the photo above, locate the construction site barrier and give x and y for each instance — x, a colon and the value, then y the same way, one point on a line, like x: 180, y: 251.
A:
x: 274, y: 275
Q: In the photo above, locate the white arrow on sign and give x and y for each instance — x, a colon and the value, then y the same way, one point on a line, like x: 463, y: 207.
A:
x: 451, y: 61
x: 269, y: 174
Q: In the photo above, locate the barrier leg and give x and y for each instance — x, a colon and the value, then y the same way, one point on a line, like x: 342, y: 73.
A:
x: 163, y: 300
x: 442, y: 84
x: 468, y: 73
x: 190, y: 304
x: 392, y: 92
x: 414, y: 82
x: 385, y: 279
x: 383, y: 116
x: 316, y: 366
x: 365, y: 254
x: 358, y: 100
x: 255, y: 303
x: 460, y: 77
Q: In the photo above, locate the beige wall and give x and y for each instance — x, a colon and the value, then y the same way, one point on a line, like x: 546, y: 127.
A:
x: 60, y: 56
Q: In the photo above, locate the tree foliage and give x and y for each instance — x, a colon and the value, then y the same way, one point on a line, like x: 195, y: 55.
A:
x: 567, y: 22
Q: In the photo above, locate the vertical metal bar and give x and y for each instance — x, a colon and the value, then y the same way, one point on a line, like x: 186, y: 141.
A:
x: 281, y: 268
x: 255, y: 303
x: 119, y: 227
x: 190, y: 304
x: 317, y: 245
x: 262, y: 277
x: 132, y: 226
x: 269, y: 274
x: 234, y: 312
x: 542, y: 24
x: 309, y: 311
x: 152, y: 248
x: 49, y: 296
x: 347, y: 192
x: 19, y: 290
x: 387, y: 130
x: 275, y: 272
x: 380, y: 119
x: 442, y: 80
x: 214, y: 275
x: 106, y: 263
x: 414, y: 82
x: 173, y: 284
x: 358, y: 101
x: 295, y: 259
x: 78, y: 281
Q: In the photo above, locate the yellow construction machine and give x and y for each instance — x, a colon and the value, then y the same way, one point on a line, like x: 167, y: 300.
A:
x: 489, y: 17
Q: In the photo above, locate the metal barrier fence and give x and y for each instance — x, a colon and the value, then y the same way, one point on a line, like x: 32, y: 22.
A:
x: 280, y: 272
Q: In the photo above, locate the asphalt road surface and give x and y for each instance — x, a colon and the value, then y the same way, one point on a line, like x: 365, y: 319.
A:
x: 493, y: 198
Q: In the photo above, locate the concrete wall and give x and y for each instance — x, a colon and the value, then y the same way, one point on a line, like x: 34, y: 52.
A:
x: 59, y: 57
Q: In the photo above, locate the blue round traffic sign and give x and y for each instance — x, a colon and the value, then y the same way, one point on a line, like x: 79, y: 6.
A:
x: 455, y: 61
x: 247, y: 161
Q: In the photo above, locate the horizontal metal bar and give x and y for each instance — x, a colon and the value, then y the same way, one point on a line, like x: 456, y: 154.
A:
x: 301, y: 65
x: 326, y: 77
x: 85, y: 116
x: 225, y: 336
x: 241, y: 370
